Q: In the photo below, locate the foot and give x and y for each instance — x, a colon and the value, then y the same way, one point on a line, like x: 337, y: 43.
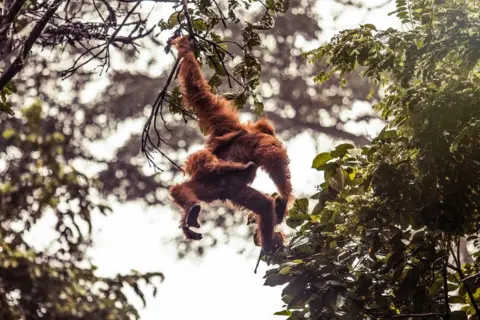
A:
x: 192, y: 221
x: 192, y: 216
x: 275, y: 244
x: 280, y: 208
x: 192, y: 235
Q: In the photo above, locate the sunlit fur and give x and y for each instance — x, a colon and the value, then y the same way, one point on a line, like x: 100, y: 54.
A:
x: 222, y: 171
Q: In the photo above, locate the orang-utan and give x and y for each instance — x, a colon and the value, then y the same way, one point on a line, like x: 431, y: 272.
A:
x: 234, y: 150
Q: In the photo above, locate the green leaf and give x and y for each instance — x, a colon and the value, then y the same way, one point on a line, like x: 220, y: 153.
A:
x: 316, y: 196
x: 321, y: 159
x: 283, y: 313
x: 259, y: 107
x: 341, y: 150
x: 388, y: 134
x: 276, y: 279
x: 285, y: 270
x: 302, y: 205
x: 199, y: 25
x: 297, y: 220
x: 6, y: 107
x: 318, y: 208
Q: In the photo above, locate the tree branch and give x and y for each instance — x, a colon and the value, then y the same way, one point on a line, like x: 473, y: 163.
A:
x: 11, y: 15
x: 188, y: 19
x: 19, y: 62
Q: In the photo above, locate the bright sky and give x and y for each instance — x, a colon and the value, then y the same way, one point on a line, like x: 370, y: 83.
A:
x: 222, y: 284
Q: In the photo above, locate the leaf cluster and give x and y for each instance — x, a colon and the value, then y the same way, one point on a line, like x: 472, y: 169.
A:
x: 383, y: 240
x: 58, y: 282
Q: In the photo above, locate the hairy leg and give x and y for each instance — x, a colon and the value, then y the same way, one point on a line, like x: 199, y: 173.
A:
x: 280, y: 208
x: 264, y: 207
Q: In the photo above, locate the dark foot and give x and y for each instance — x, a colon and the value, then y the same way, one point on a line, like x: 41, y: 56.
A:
x: 192, y: 221
x: 192, y: 216
x: 271, y: 249
x: 280, y: 208
x: 275, y: 244
x: 192, y: 235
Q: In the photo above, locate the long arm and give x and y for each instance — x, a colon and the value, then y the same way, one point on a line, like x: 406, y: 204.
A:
x: 216, y: 115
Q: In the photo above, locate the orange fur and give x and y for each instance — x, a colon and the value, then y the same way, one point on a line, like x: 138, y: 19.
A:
x: 224, y: 170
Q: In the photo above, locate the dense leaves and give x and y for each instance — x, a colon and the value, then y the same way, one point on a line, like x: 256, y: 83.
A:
x: 39, y: 179
x: 383, y: 240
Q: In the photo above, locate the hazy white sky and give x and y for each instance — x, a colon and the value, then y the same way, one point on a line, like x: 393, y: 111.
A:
x: 222, y: 285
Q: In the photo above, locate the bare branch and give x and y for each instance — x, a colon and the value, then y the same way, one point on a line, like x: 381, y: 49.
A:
x: 188, y: 19
x: 148, y: 145
x: 72, y: 69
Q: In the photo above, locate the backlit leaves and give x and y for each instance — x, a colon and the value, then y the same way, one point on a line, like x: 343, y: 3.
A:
x: 388, y: 217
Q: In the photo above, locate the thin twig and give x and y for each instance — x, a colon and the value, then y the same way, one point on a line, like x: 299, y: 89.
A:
x: 471, y: 276
x: 224, y: 67
x: 258, y: 262
x: 147, y: 144
x: 112, y: 38
x: 222, y: 16
x: 215, y: 45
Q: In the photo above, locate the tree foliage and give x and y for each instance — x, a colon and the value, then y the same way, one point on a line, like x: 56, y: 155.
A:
x: 383, y: 239
x: 58, y: 282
